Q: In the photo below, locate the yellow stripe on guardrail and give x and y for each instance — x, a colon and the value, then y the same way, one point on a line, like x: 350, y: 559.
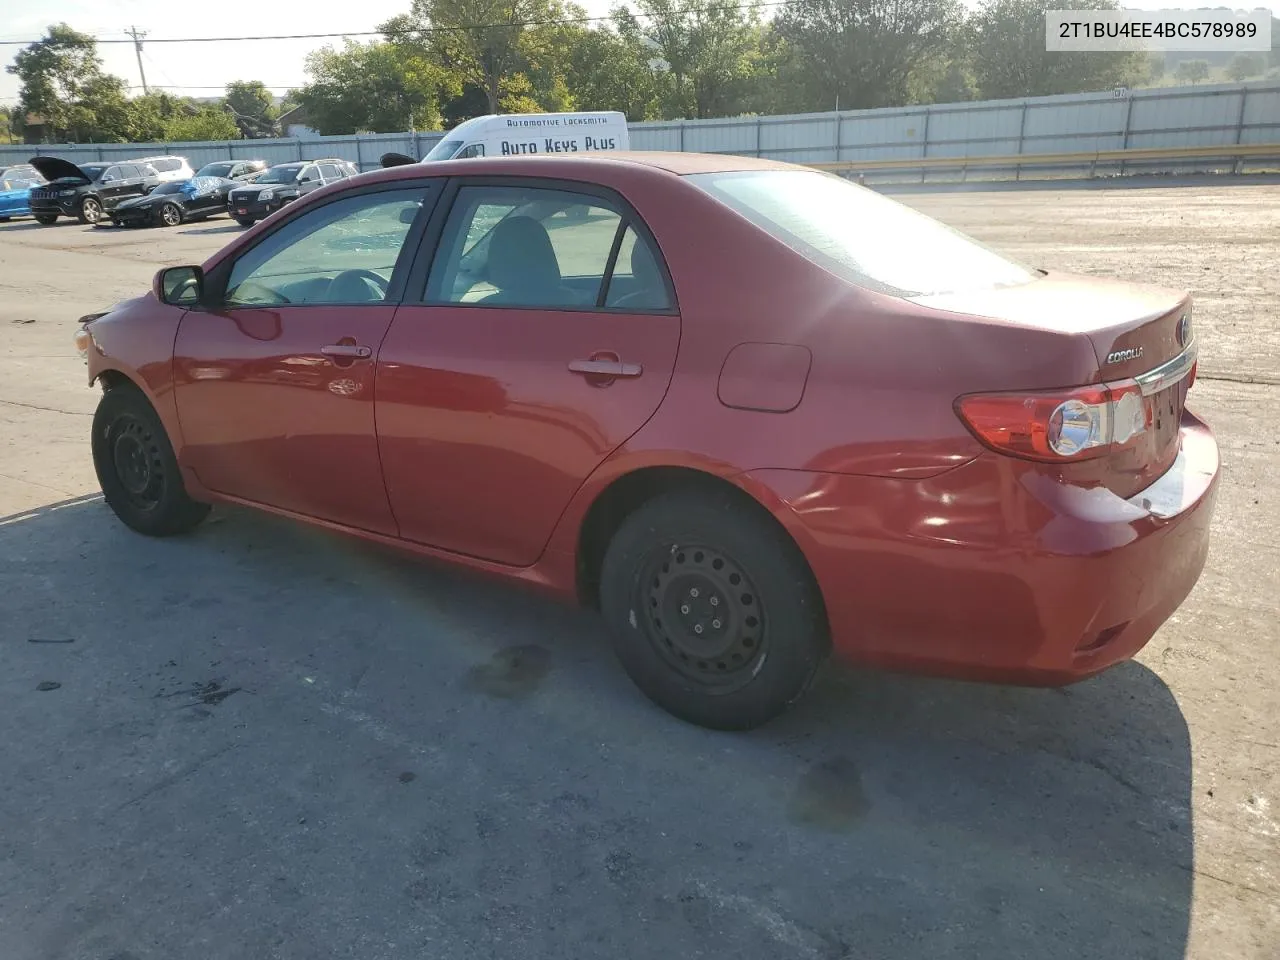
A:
x: 1231, y: 152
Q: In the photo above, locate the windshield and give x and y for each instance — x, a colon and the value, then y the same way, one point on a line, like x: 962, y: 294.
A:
x: 443, y: 150
x: 280, y: 175
x: 859, y: 234
x: 215, y: 169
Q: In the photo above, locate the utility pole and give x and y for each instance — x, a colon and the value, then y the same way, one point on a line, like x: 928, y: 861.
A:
x: 138, y: 36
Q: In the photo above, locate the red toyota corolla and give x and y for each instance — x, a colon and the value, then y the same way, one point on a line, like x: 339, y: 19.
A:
x: 752, y: 411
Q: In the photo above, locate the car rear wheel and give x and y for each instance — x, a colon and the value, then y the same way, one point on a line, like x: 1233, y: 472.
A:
x: 90, y: 210
x: 170, y: 215
x: 714, y: 612
x: 244, y: 221
x: 137, y: 469
x: 44, y: 219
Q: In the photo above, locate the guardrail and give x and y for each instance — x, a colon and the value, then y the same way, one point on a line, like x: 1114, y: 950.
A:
x: 1237, y: 153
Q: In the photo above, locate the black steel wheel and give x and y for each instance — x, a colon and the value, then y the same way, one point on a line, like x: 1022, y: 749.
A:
x: 714, y: 611
x: 136, y: 467
x: 704, y: 614
x: 170, y: 215
x: 90, y: 210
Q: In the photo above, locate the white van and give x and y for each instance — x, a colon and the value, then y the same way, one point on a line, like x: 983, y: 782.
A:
x: 524, y: 134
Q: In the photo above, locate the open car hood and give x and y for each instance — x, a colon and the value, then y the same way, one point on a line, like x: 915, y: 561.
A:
x: 55, y: 168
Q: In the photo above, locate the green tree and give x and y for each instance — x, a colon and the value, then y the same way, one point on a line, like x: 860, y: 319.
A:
x: 709, y: 51
x: 253, y: 107
x: 607, y: 70
x: 63, y: 84
x: 479, y: 40
x: 201, y: 123
x: 1245, y: 65
x: 6, y: 124
x: 1191, y: 71
x: 867, y: 53
x: 377, y: 87
x: 1009, y: 58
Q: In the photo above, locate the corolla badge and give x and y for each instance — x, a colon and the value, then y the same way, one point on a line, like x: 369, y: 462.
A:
x: 1120, y: 356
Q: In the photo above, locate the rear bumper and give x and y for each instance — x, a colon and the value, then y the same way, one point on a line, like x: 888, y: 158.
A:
x: 995, y: 570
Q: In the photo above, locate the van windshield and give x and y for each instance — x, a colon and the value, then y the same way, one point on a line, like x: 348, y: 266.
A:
x: 443, y: 150
x: 859, y: 234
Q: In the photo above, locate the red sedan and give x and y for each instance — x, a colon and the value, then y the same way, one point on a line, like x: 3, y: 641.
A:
x: 751, y: 411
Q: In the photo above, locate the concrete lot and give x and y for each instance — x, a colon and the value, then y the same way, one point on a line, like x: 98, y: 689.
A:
x: 267, y: 742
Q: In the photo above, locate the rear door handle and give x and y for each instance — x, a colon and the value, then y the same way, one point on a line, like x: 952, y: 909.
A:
x: 347, y: 351
x: 606, y: 368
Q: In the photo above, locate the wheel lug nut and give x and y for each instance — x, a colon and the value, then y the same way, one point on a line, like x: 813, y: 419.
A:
x: 684, y: 608
x: 716, y: 624
x: 715, y: 601
x: 697, y: 628
x: 693, y: 592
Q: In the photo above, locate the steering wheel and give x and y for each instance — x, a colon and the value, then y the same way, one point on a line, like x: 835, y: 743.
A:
x: 369, y: 278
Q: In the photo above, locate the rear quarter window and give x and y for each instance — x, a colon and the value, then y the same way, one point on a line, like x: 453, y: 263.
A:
x: 861, y: 235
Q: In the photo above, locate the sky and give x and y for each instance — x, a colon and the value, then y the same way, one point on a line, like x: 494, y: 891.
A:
x: 279, y: 64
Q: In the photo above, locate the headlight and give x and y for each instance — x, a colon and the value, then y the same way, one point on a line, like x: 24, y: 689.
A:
x: 267, y: 194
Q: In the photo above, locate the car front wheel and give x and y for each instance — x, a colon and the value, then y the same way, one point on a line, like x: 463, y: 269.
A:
x: 137, y: 469
x: 715, y: 614
x: 90, y: 210
x: 44, y: 219
x: 170, y: 215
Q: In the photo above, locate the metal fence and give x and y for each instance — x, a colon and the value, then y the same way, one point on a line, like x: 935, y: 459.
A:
x: 1210, y: 115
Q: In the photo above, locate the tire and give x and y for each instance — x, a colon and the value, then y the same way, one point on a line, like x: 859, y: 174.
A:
x: 90, y: 210
x: 4, y: 219
x: 689, y: 559
x: 136, y: 467
x: 44, y: 219
x: 170, y: 215
x: 244, y: 222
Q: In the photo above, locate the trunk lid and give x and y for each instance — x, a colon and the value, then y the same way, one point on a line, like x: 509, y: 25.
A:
x: 1136, y: 331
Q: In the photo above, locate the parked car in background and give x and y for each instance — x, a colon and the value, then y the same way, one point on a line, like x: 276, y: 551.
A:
x: 752, y: 412
x: 89, y: 190
x: 173, y: 203
x: 15, y: 191
x: 169, y: 169
x: 19, y: 170
x: 284, y: 183
x: 246, y: 170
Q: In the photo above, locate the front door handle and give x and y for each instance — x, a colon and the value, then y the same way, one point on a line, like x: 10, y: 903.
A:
x: 606, y: 368
x: 347, y: 351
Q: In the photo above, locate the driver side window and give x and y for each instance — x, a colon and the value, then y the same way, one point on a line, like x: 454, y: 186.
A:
x: 342, y: 252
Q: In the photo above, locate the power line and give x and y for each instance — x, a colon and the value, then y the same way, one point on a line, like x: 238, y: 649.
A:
x: 461, y: 28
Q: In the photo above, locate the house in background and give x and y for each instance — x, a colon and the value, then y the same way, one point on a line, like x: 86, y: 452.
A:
x: 293, y: 123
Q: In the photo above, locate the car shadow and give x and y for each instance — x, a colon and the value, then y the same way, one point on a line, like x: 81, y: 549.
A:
x: 476, y: 760
x: 13, y: 226
x: 218, y: 228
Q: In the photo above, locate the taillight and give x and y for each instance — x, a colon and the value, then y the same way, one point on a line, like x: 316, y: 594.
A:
x: 1059, y: 425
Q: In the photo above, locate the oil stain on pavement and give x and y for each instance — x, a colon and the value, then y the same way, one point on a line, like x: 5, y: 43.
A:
x: 512, y: 673
x: 830, y: 796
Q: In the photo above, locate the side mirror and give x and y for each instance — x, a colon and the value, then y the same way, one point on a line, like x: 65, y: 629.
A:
x: 179, y: 286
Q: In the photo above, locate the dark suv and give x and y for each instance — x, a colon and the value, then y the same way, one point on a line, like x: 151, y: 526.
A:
x: 284, y: 183
x: 87, y: 191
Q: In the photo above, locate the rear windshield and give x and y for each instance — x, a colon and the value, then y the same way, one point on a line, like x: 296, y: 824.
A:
x: 858, y: 234
x: 443, y: 150
x: 216, y: 169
